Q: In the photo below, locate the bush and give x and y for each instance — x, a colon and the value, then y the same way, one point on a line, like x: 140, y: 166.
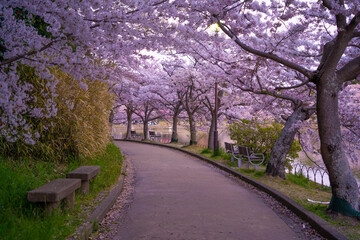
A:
x: 80, y: 127
x: 260, y: 138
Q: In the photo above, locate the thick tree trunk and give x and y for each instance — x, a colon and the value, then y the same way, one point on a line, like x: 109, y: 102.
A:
x: 211, y: 133
x: 276, y: 165
x: 129, y: 122
x: 192, y: 131
x: 146, y: 131
x: 343, y: 183
x: 174, y: 136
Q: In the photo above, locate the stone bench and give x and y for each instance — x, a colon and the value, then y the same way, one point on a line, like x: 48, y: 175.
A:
x: 85, y: 173
x: 53, y: 192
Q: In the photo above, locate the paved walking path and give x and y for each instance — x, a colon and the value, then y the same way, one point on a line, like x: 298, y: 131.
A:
x: 179, y: 197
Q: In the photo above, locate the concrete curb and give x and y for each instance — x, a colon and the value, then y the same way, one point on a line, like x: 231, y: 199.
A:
x: 85, y: 230
x: 323, y: 227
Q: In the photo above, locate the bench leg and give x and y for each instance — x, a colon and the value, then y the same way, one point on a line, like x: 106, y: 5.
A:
x: 69, y: 200
x: 84, y: 187
x: 239, y: 162
x: 51, y: 206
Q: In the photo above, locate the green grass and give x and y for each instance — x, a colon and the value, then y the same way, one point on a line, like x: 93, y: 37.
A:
x: 205, y: 151
x: 23, y: 220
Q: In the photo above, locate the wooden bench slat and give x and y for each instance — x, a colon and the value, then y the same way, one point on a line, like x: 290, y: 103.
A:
x: 54, y: 191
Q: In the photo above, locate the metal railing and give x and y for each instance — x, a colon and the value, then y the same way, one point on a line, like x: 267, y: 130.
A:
x: 313, y: 173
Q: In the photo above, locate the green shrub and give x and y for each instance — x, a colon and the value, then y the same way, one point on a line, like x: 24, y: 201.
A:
x: 260, y: 138
x: 80, y: 128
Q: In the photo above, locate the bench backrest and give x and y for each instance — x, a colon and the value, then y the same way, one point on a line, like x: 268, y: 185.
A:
x: 229, y: 147
x: 244, y: 150
x: 235, y: 149
x: 133, y: 132
x: 151, y: 133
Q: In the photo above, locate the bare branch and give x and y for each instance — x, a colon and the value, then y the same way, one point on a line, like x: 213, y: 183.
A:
x: 155, y: 4
x: 274, y: 57
x: 273, y: 94
x: 291, y: 87
x: 350, y: 71
x: 353, y: 23
x: 340, y: 18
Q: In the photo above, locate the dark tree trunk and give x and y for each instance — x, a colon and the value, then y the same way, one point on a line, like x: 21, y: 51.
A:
x: 174, y: 135
x: 211, y: 133
x: 177, y: 111
x: 192, y: 130
x: 343, y: 183
x: 129, y: 122
x: 276, y: 165
x: 111, y: 116
x: 146, y: 131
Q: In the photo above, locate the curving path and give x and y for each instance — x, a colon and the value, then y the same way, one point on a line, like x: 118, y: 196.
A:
x: 180, y: 197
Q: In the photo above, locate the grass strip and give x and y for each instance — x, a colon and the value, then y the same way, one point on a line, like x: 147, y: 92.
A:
x: 23, y: 220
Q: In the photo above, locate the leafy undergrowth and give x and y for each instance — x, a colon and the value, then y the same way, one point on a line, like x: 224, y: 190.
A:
x: 299, y: 188
x: 23, y: 220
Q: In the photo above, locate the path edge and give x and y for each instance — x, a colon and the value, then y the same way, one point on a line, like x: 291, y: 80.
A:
x: 320, y: 225
x: 87, y: 228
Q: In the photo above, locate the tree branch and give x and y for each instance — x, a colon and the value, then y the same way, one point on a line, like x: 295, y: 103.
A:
x: 291, y: 87
x: 273, y: 57
x: 32, y: 52
x: 295, y: 101
x: 350, y: 71
x: 340, y: 18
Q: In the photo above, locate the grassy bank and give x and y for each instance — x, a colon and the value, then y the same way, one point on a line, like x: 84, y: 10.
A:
x: 296, y: 187
x: 23, y: 220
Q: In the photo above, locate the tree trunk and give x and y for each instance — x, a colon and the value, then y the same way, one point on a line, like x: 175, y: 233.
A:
x: 276, y: 165
x: 192, y: 130
x: 111, y: 116
x: 174, y: 136
x: 343, y: 183
x: 146, y: 131
x: 129, y: 122
x: 211, y: 133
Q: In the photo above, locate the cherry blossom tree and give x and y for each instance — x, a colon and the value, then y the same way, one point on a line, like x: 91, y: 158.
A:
x: 189, y: 81
x: 170, y: 96
x: 147, y: 109
x: 316, y: 39
x: 79, y: 38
